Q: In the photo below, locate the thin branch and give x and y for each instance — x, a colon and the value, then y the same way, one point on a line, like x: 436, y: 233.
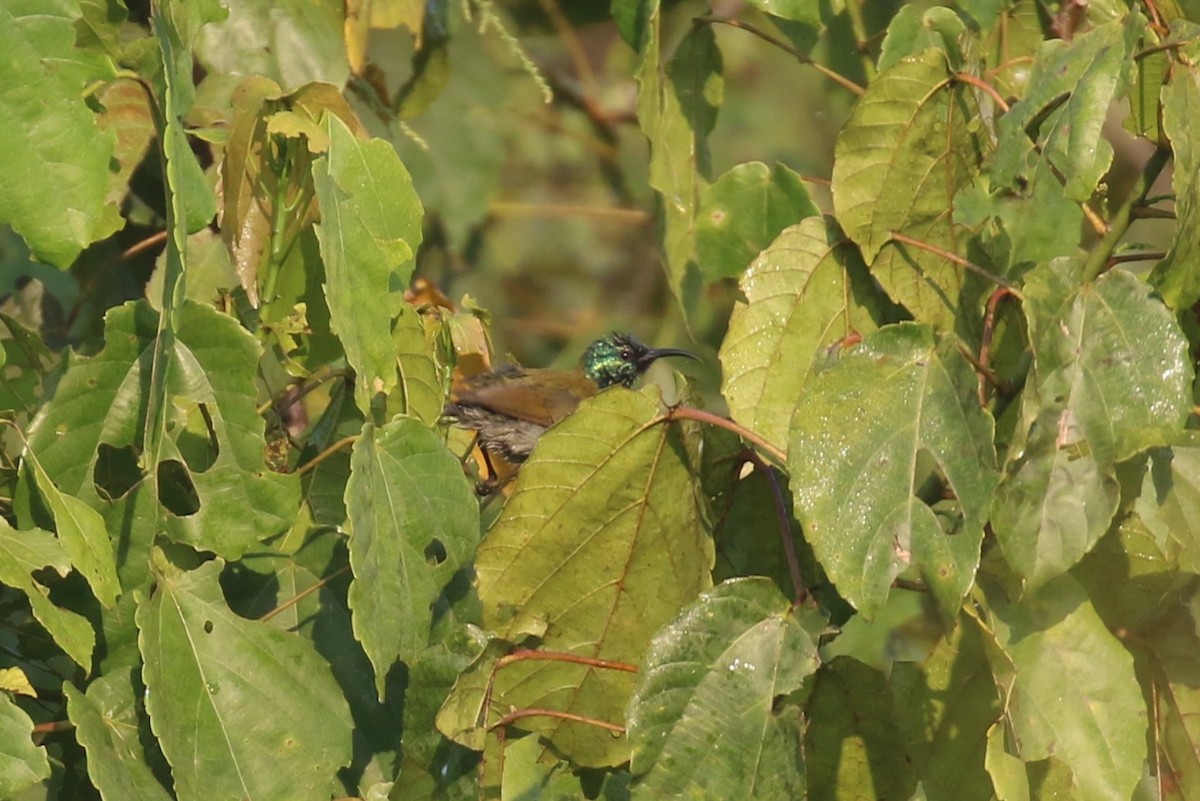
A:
x: 1128, y: 257
x: 525, y: 655
x: 143, y: 245
x: 283, y: 400
x: 840, y: 80
x: 984, y: 86
x: 985, y: 345
x: 579, y: 58
x: 1151, y: 213
x: 300, y: 596
x: 513, y: 717
x: 308, y: 467
x: 859, y: 26
x: 799, y: 591
x: 512, y: 209
x: 1098, y: 259
x: 690, y: 413
x: 896, y: 236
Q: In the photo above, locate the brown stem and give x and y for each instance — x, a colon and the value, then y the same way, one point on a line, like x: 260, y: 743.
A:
x: 513, y: 717
x: 1128, y: 257
x: 511, y: 209
x: 308, y: 467
x: 282, y: 400
x: 524, y: 655
x: 298, y: 597
x: 979, y: 83
x: 690, y: 413
x: 896, y: 236
x: 799, y: 591
x: 985, y: 344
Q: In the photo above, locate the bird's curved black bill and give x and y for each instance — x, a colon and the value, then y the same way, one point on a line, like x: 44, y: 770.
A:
x: 653, y: 354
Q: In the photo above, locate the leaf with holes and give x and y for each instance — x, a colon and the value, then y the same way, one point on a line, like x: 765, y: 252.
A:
x: 877, y: 441
x: 601, y: 543
x: 413, y: 522
x: 211, y: 677
x: 806, y: 291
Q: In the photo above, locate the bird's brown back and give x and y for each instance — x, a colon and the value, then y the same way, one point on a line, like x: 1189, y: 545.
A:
x: 538, y: 396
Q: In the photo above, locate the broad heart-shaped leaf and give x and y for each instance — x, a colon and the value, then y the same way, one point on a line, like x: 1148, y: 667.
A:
x: 702, y: 722
x: 875, y: 441
x: 1178, y: 276
x: 1069, y: 94
x: 241, y: 709
x: 911, y: 143
x: 109, y: 725
x: 677, y: 108
x: 743, y: 211
x: 805, y: 292
x: 54, y: 175
x: 370, y: 228
x: 413, y: 522
x: 22, y: 764
x: 213, y: 430
x: 1074, y: 694
x: 83, y: 536
x: 22, y: 553
x: 1111, y: 377
x: 601, y: 543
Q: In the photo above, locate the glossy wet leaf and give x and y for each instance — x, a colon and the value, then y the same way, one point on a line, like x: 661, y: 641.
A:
x: 413, y: 522
x: 1074, y: 694
x: 55, y: 173
x: 808, y: 290
x: 369, y: 232
x: 743, y: 211
x: 212, y: 419
x: 1059, y: 119
x: 1110, y: 378
x: 21, y: 554
x: 210, y: 675
x: 22, y: 764
x: 876, y: 440
x: 677, y: 108
x: 113, y: 729
x: 601, y: 543
x: 702, y: 722
x: 910, y: 144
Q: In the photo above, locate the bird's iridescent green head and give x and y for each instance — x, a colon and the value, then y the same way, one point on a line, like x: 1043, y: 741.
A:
x: 621, y: 359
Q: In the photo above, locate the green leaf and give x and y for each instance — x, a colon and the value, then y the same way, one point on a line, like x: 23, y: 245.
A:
x: 214, y: 684
x: 292, y: 42
x: 22, y: 764
x: 909, y: 146
x: 601, y: 543
x: 1178, y: 276
x: 806, y: 291
x: 806, y: 11
x: 876, y: 440
x: 370, y: 228
x: 944, y: 707
x: 1074, y: 694
x: 418, y: 392
x: 854, y: 750
x: 1070, y: 90
x: 1170, y: 503
x: 703, y: 723
x: 743, y: 211
x: 112, y: 728
x: 1111, y: 377
x: 22, y: 553
x: 213, y: 432
x: 83, y: 535
x: 677, y: 108
x: 55, y: 172
x: 913, y: 30
x: 413, y: 521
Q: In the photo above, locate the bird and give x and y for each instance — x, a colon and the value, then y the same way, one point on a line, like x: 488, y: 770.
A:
x: 512, y: 406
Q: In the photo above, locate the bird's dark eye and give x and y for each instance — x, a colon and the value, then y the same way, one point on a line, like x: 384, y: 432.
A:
x: 626, y: 354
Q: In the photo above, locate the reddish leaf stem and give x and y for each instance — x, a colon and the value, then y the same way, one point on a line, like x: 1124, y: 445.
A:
x: 799, y: 591
x: 513, y: 717
x: 987, y: 88
x: 896, y: 236
x: 690, y: 413
x: 985, y: 344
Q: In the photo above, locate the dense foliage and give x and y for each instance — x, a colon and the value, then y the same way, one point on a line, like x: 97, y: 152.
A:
x: 922, y: 523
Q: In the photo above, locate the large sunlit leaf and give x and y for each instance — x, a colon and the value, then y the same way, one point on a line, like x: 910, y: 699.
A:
x: 55, y: 171
x: 877, y: 440
x: 1074, y: 694
x: 22, y: 763
x: 601, y: 544
x: 677, y: 108
x: 213, y: 431
x: 806, y: 291
x: 108, y: 725
x: 910, y: 144
x: 241, y: 709
x: 703, y: 721
x: 1178, y: 277
x: 1060, y: 118
x: 21, y: 554
x: 1111, y: 377
x: 369, y: 232
x: 413, y: 522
